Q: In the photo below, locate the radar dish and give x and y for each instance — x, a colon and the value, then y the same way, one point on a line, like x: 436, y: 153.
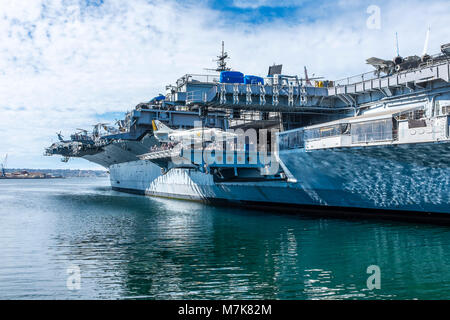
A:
x: 275, y: 69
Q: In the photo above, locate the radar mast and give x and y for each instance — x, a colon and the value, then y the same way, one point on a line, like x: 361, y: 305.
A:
x: 221, y: 61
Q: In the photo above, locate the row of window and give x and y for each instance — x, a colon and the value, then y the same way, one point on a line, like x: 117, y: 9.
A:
x: 373, y: 131
x: 326, y: 132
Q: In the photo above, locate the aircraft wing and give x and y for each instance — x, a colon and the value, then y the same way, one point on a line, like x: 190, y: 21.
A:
x: 377, y: 62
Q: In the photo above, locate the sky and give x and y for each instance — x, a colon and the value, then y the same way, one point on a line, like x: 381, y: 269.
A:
x: 67, y: 64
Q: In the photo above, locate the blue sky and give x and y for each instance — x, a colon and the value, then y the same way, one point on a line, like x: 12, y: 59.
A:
x: 258, y: 14
x: 290, y: 11
x: 66, y: 64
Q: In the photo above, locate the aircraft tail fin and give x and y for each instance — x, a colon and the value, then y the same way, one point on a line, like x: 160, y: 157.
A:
x: 160, y: 127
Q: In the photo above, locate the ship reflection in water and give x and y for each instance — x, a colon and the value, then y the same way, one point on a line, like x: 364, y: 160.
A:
x: 137, y: 247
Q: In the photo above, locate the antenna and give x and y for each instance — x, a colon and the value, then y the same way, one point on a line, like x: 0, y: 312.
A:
x: 427, y: 40
x: 60, y: 136
x: 4, y: 166
x: 82, y: 130
x: 221, y: 63
x: 396, y: 44
x: 221, y: 60
x: 307, y: 80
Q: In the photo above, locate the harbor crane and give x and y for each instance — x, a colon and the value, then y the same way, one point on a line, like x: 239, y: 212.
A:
x: 4, y: 163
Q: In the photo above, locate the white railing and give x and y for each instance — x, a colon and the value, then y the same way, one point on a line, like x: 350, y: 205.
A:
x: 203, y: 78
x: 161, y: 153
x: 371, y: 75
x: 356, y: 79
x: 196, y: 96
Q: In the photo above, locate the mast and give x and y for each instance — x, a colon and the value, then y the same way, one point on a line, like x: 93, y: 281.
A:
x: 4, y: 166
x: 221, y: 60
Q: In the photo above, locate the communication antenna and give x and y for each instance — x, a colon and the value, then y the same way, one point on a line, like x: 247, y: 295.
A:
x: 221, y: 60
x: 427, y: 40
x: 307, y: 80
x: 4, y: 165
x: 396, y: 44
x: 60, y: 136
x: 221, y: 63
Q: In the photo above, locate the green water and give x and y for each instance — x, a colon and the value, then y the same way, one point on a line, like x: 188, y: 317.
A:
x: 130, y: 246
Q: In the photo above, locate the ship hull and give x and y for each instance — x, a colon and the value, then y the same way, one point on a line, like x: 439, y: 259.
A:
x: 411, y: 178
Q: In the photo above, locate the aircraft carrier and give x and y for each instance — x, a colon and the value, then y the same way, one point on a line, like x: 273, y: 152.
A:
x: 375, y: 142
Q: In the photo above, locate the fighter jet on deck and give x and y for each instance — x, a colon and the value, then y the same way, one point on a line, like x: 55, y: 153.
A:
x: 165, y: 134
x: 398, y: 63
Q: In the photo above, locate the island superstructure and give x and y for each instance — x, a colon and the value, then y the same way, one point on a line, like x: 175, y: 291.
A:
x: 377, y: 141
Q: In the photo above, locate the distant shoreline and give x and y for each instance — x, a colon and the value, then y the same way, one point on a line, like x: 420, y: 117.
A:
x: 16, y: 173
x: 29, y: 178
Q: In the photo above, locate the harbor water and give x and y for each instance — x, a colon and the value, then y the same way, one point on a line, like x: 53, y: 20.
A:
x: 122, y: 246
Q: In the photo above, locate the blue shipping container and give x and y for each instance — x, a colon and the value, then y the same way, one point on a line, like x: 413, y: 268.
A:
x: 158, y: 98
x: 253, y: 80
x: 231, y: 77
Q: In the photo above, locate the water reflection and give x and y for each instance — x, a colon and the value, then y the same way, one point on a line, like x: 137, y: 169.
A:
x: 136, y: 247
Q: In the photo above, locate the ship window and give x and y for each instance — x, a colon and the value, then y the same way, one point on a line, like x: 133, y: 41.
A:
x: 296, y: 139
x: 326, y: 132
x: 372, y: 131
x: 291, y: 140
x: 412, y: 115
x: 446, y: 110
x: 283, y: 141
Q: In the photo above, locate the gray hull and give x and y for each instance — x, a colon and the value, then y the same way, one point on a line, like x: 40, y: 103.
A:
x: 412, y: 177
x: 408, y: 178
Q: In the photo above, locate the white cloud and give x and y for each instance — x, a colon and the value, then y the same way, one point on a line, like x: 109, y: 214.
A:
x: 82, y: 60
x: 253, y: 4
